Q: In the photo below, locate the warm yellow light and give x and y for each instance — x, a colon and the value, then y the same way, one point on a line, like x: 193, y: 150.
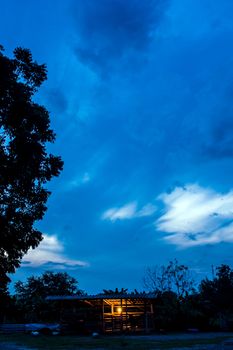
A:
x: 119, y: 310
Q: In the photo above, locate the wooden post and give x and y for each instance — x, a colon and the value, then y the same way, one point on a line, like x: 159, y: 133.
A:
x: 126, y: 315
x: 145, y: 317
x: 103, y: 324
x: 121, y: 316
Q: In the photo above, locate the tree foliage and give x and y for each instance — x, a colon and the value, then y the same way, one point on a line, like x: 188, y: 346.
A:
x: 173, y: 286
x: 31, y: 295
x: 122, y: 291
x: 25, y: 165
x: 217, y: 297
x: 179, y: 306
x: 173, y: 277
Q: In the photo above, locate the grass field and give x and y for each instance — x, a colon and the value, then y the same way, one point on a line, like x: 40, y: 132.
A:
x: 121, y: 342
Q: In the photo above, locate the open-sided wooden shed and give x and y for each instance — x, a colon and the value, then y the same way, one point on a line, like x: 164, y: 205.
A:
x: 107, y: 313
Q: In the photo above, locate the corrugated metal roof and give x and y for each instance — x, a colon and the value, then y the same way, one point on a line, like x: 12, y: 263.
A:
x: 103, y: 296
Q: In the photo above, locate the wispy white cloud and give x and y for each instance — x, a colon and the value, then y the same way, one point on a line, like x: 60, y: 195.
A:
x: 119, y: 213
x: 148, y: 210
x: 78, y: 181
x: 128, y: 211
x: 196, y: 216
x: 50, y: 252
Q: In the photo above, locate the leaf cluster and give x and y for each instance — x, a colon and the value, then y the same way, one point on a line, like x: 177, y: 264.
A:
x: 31, y: 295
x: 25, y: 165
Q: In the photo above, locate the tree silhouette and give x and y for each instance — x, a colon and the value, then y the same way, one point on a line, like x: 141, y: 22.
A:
x: 31, y: 295
x: 122, y: 291
x: 25, y: 165
x: 217, y: 297
x: 173, y: 277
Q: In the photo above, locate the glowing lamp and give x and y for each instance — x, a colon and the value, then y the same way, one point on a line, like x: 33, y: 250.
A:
x: 119, y: 310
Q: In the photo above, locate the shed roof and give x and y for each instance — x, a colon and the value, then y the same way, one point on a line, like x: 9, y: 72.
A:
x: 141, y: 296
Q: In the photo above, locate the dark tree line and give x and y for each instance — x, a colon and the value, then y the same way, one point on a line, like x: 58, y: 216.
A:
x: 207, y: 307
x: 181, y: 305
x: 29, y: 304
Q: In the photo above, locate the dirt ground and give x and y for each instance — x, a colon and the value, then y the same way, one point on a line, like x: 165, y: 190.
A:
x: 185, y: 341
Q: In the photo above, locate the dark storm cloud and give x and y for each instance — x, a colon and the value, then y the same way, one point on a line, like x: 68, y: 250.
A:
x: 218, y: 143
x: 109, y: 29
x: 56, y: 99
x: 221, y: 148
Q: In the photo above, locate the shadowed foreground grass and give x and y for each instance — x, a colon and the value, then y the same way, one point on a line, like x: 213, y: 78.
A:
x: 121, y: 342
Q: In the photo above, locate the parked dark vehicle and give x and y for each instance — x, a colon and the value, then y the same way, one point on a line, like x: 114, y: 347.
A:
x: 43, y: 328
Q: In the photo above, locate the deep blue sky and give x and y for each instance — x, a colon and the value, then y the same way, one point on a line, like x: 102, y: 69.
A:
x: 141, y: 98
